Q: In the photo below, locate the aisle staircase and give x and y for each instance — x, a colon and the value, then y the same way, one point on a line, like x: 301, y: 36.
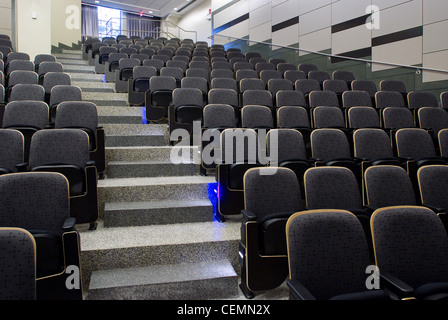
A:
x: 156, y: 238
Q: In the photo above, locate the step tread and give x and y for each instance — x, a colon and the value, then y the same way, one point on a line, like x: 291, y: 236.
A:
x: 161, y: 274
x: 139, y: 205
x: 115, y: 238
x: 148, y: 181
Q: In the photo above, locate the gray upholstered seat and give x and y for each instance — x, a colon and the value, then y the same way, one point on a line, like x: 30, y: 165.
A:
x: 411, y: 244
x: 267, y: 75
x: 222, y: 73
x: 246, y: 73
x: 393, y: 85
x: 433, y: 184
x: 112, y: 64
x: 271, y: 196
x: 290, y: 98
x: 365, y: 85
x: 433, y: 118
x: 39, y: 202
x: 275, y: 85
x: 159, y: 97
x: 420, y: 99
x: 18, y: 264
x: 397, y: 118
x: 124, y: 73
x: 283, y: 67
x: 257, y: 97
x: 48, y: 66
x: 328, y: 117
x: 319, y: 98
x: 223, y: 96
x: 224, y: 83
x: 320, y: 76
x: 290, y: 116
x: 374, y: 145
x: 337, y: 86
x: 417, y: 144
x: 344, y: 75
x: 294, y: 75
x: 251, y: 84
x: 443, y: 142
x: 61, y: 93
x: 26, y: 91
x: 328, y: 257
x: 307, y: 67
x: 52, y: 79
x: 219, y: 116
x: 356, y: 98
x: 363, y: 117
x: 12, y: 150
x: 388, y: 186
x: 256, y: 117
x: 139, y: 84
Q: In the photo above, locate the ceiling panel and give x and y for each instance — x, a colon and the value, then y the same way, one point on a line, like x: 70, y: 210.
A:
x: 159, y: 8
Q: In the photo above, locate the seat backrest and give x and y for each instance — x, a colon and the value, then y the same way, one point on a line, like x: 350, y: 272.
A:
x: 327, y: 144
x: 328, y: 117
x: 267, y: 75
x: 224, y: 83
x: 26, y: 113
x: 61, y: 93
x: 331, y: 188
x: 288, y: 144
x: 356, y: 98
x: 222, y: 73
x: 372, y: 144
x: 410, y: 243
x: 363, y: 117
x: 307, y: 85
x: 388, y: 186
x: 319, y: 75
x: 292, y: 117
x: 34, y: 201
x: 219, y: 116
x: 432, y: 118
x: 365, y: 85
x: 387, y: 99
x: 443, y: 142
x: 307, y: 67
x: 393, y: 85
x: 290, y: 98
x: 195, y: 82
x: 187, y: 96
x: 143, y: 72
x: 397, y: 118
x: 414, y: 143
x: 77, y: 114
x: 433, y: 185
x: 256, y: 116
x: 344, y: 75
x: 337, y: 86
x: 19, y: 65
x: 271, y: 190
x: 245, y: 73
x: 275, y: 85
x: 239, y: 145
x: 22, y: 76
x: 251, y: 84
x: 59, y: 146
x: 327, y: 252
x: 18, y: 264
x: 257, y: 97
x: 294, y: 75
x: 282, y: 67
x: 223, y: 96
x: 52, y: 79
x: 11, y: 146
x: 320, y: 98
x: 162, y: 83
x: 420, y: 99
x: 25, y: 91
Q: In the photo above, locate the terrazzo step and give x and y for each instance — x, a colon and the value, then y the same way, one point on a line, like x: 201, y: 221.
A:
x: 106, y: 98
x: 78, y: 68
x: 154, y: 153
x: 68, y: 55
x: 76, y: 76
x: 153, y: 189
x: 125, y: 135
x: 131, y: 214
x: 143, y: 246
x: 119, y: 115
x: 124, y: 169
x: 184, y: 281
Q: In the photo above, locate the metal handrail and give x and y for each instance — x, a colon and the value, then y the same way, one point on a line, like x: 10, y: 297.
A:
x: 418, y: 69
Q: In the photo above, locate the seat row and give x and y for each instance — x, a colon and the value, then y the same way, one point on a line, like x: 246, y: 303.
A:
x: 284, y: 237
x: 231, y: 152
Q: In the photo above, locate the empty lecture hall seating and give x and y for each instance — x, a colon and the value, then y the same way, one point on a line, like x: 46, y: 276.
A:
x: 352, y: 155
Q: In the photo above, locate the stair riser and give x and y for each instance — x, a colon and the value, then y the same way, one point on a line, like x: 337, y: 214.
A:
x: 148, y: 154
x: 120, y: 258
x: 132, y: 141
x: 188, y: 290
x: 161, y: 216
x: 135, y: 170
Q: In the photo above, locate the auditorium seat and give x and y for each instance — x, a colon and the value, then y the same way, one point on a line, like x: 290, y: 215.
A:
x: 39, y: 203
x: 271, y: 196
x: 328, y: 257
x: 411, y: 251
